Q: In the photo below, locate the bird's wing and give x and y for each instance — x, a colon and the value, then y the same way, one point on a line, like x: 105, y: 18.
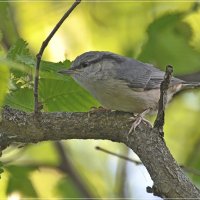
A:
x: 141, y: 76
x: 157, y: 77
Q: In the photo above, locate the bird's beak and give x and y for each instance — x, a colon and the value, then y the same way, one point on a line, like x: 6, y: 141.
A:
x: 67, y: 71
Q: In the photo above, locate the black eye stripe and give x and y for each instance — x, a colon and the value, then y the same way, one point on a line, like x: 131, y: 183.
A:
x: 84, y: 61
x: 84, y: 64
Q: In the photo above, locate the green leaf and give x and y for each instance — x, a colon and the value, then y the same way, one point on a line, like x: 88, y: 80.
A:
x: 4, y: 78
x: 169, y: 43
x: 21, y: 81
x: 20, y: 99
x: 49, y: 70
x: 56, y: 92
x: 62, y: 93
x: 19, y: 181
x: 20, y: 52
x: 64, y: 96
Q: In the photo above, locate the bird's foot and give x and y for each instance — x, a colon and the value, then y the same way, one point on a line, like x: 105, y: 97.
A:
x: 137, y: 119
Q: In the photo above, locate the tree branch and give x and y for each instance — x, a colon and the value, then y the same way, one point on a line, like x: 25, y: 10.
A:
x: 118, y: 155
x: 169, y: 179
x: 160, y: 119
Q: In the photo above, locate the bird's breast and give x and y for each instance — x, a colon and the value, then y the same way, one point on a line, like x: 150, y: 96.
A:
x: 116, y: 95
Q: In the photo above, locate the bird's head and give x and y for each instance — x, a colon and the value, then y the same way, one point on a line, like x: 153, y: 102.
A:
x: 89, y: 62
x: 82, y: 62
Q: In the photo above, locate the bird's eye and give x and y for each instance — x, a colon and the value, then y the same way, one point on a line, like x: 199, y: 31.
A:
x: 84, y: 64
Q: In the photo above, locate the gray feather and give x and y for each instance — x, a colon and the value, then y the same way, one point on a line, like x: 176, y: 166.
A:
x: 190, y: 85
x: 137, y: 75
x: 140, y: 75
x: 93, y: 57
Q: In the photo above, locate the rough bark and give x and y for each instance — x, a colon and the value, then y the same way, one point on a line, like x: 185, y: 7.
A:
x: 169, y: 179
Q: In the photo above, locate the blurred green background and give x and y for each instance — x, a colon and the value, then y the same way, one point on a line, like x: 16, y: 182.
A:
x: 160, y: 33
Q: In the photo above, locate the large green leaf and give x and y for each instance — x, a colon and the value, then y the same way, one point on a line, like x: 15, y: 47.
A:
x: 56, y: 92
x: 20, y: 99
x: 62, y: 93
x: 19, y: 181
x: 64, y: 96
x: 169, y: 43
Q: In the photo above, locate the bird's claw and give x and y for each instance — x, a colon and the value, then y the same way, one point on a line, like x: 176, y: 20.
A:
x: 137, y: 119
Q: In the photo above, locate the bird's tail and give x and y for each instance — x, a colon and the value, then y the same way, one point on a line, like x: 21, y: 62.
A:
x: 190, y: 85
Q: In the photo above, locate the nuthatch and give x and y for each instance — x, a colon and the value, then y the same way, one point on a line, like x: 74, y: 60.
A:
x: 121, y: 83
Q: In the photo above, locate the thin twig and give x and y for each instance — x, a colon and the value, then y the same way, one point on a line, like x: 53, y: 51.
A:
x: 37, y: 106
x: 187, y: 169
x: 159, y: 122
x: 118, y: 155
x: 190, y: 170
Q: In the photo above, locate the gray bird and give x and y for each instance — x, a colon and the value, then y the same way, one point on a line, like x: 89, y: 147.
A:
x: 121, y: 83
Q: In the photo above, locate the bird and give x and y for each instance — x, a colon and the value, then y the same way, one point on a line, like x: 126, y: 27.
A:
x: 122, y: 83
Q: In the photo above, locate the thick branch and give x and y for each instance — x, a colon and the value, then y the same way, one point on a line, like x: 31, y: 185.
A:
x: 169, y: 179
